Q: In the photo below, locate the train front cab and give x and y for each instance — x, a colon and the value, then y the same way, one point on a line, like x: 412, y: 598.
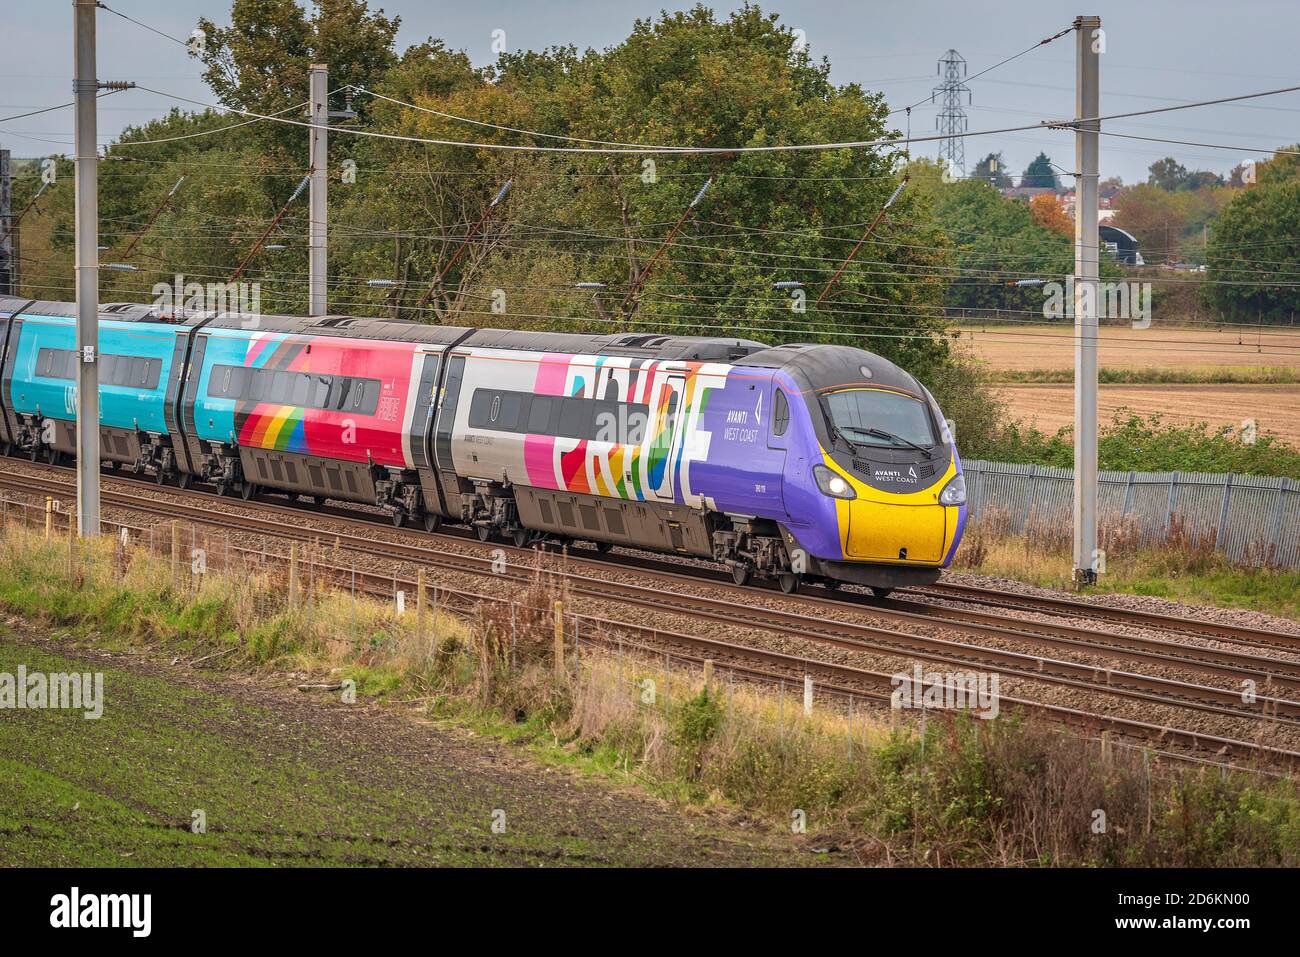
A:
x: 882, y: 492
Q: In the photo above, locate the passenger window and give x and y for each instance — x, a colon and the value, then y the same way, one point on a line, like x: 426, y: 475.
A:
x: 575, y: 418
x: 780, y: 414
x: 539, y: 416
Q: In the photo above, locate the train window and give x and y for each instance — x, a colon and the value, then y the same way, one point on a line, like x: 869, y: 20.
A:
x: 480, y: 408
x: 114, y: 370
x: 605, y: 421
x: 780, y: 414
x: 338, y: 392
x: 301, y: 394
x: 575, y: 418
x: 512, y: 404
x: 321, y: 392
x: 539, y: 415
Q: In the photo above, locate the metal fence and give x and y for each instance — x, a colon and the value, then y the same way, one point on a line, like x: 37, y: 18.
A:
x: 1254, y: 518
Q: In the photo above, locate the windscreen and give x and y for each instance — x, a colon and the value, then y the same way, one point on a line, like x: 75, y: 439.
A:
x: 856, y: 412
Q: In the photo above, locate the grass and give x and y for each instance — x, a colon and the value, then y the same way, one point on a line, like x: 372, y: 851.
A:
x: 952, y: 791
x: 1143, y: 443
x: 1208, y: 375
x: 1180, y: 566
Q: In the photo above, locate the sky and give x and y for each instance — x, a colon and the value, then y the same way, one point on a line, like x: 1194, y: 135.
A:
x: 1158, y: 53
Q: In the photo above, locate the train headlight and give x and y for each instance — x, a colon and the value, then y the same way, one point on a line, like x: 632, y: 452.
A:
x: 954, y: 493
x: 832, y: 483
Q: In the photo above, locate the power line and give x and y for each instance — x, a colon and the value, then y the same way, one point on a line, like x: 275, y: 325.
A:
x: 713, y: 150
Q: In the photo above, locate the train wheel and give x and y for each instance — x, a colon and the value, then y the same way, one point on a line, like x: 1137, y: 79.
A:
x: 484, y: 532
x: 431, y: 521
x: 603, y: 548
x: 222, y: 490
x: 742, y: 574
x: 789, y: 582
x: 521, y: 537
x: 880, y: 592
x: 399, y: 517
x: 247, y: 491
x: 35, y: 452
x: 54, y: 457
x: 160, y: 477
x: 183, y: 480
x: 318, y: 500
x: 831, y: 584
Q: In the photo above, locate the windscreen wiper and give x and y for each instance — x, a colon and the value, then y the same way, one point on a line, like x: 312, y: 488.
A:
x: 891, y: 437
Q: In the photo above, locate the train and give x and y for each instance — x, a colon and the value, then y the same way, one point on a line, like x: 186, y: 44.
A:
x: 793, y: 463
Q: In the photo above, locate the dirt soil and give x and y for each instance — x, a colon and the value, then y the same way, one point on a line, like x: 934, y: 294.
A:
x: 1044, y: 346
x: 1275, y: 408
x: 287, y: 777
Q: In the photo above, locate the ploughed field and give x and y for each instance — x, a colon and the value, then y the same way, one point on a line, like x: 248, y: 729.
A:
x: 1176, y: 359
x: 1194, y: 350
x: 1275, y: 408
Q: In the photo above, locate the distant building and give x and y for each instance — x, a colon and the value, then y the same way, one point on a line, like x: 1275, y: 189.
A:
x: 1026, y: 192
x: 1123, y: 244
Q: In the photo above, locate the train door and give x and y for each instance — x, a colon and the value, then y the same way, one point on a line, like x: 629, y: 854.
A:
x: 664, y: 438
x: 445, y: 417
x: 779, y: 464
x: 428, y: 362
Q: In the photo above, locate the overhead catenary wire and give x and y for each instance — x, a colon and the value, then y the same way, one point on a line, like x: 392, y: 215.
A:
x: 716, y: 150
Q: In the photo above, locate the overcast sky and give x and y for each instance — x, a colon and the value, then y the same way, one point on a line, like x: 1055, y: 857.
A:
x: 1157, y: 54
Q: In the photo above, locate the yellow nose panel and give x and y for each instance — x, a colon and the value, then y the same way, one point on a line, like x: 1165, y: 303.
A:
x: 881, y: 531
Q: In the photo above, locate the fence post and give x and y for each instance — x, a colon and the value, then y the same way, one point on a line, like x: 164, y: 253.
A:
x: 1173, y: 496
x: 1223, y: 514
x: 419, y: 607
x: 1033, y: 496
x: 1278, y: 511
x: 293, y: 574
x: 176, y: 547
x: 559, y: 641
x: 49, y: 516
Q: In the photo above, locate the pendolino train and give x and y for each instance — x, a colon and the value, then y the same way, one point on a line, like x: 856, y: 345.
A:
x: 798, y: 462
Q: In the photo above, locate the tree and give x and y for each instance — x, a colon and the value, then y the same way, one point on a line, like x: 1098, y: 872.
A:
x: 1155, y: 216
x: 1167, y: 174
x: 992, y: 169
x: 1170, y: 175
x: 1040, y: 173
x: 261, y: 61
x: 1254, y: 243
x: 1047, y: 212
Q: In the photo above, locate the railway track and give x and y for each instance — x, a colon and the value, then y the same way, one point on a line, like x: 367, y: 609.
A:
x: 1074, y: 608
x: 770, y: 667
x: 850, y: 636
